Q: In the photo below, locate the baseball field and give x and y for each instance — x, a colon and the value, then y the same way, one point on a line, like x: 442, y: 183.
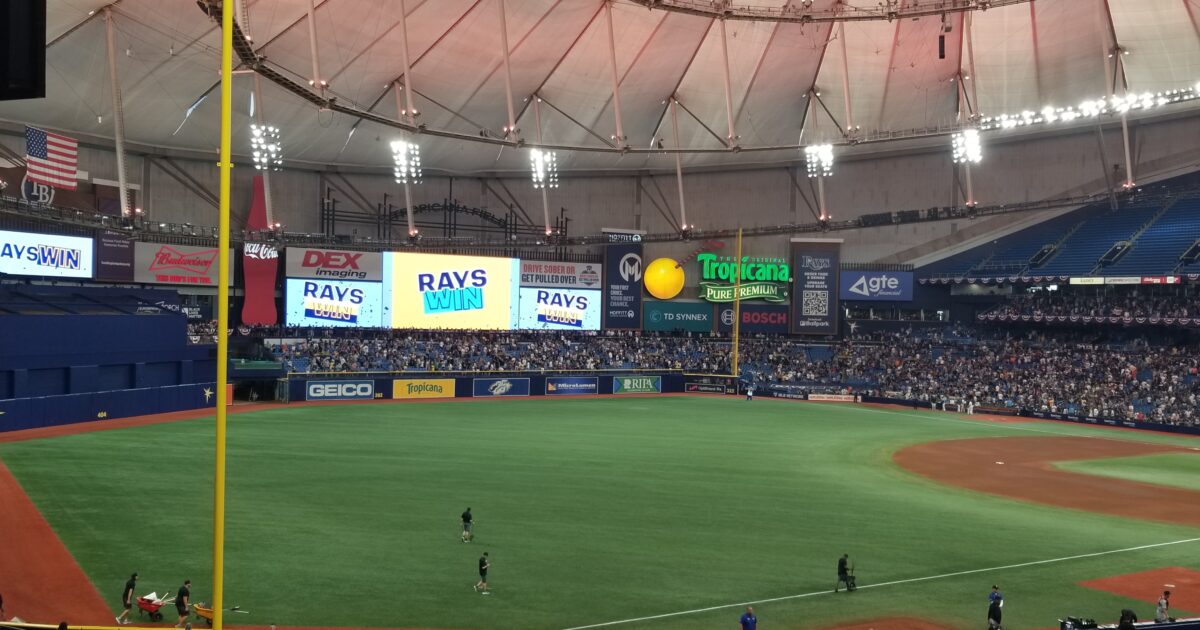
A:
x: 656, y: 512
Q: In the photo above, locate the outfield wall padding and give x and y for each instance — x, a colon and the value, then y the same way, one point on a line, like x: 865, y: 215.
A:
x: 434, y: 385
x: 45, y: 411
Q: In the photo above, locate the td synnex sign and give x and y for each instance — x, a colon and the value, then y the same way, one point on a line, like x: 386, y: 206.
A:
x: 333, y: 303
x: 559, y: 309
x: 890, y: 286
x: 460, y: 292
x: 45, y: 255
x: 339, y: 390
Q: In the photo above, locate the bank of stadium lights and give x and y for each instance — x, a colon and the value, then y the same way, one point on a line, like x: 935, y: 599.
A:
x: 543, y: 168
x: 265, y: 147
x: 819, y: 159
x: 1091, y: 108
x: 407, y: 159
x: 967, y: 148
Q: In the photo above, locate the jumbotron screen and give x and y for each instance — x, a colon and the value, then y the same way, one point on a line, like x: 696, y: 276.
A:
x: 455, y: 292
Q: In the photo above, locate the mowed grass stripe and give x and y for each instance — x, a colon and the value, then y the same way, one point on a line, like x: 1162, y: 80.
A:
x: 1180, y: 470
x: 592, y: 509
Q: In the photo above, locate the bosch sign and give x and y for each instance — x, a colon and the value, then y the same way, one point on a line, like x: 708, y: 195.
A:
x: 334, y: 264
x: 339, y: 390
x: 889, y: 286
x: 756, y: 318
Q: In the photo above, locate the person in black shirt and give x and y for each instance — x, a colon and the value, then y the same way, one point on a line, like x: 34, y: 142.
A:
x: 181, y: 602
x: 466, y: 523
x: 994, y: 615
x: 843, y: 573
x: 127, y: 600
x: 1128, y: 618
x: 484, y: 565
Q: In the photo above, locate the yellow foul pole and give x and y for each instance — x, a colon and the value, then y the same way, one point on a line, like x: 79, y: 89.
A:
x: 218, y: 562
x: 737, y: 300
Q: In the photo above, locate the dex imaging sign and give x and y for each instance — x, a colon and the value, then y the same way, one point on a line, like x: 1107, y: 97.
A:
x: 339, y: 390
x: 334, y: 264
x: 24, y: 254
x: 878, y: 286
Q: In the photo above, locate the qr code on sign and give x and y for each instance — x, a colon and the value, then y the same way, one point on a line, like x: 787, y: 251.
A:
x: 815, y: 303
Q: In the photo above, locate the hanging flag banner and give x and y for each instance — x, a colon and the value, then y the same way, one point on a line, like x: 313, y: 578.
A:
x: 260, y: 266
x: 623, y: 286
x: 815, y: 266
x: 764, y: 279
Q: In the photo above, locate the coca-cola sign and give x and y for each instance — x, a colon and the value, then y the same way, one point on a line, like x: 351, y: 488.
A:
x: 156, y: 263
x: 261, y: 251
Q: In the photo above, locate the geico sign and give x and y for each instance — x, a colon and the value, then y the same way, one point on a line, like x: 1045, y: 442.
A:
x: 341, y: 390
x: 753, y: 317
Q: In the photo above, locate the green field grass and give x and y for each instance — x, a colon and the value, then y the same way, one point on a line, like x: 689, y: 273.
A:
x: 593, y: 510
x: 1181, y: 470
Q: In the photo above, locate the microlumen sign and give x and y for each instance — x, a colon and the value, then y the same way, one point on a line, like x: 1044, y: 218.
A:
x: 764, y: 279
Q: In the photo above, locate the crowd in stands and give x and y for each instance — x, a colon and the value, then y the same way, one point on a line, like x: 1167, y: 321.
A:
x: 1068, y: 373
x: 1058, y: 303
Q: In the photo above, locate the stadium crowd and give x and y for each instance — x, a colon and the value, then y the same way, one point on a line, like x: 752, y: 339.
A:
x: 1057, y: 303
x: 1068, y: 373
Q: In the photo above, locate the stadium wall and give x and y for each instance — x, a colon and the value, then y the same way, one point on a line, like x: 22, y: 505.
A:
x: 900, y: 176
x: 436, y: 385
x: 45, y: 411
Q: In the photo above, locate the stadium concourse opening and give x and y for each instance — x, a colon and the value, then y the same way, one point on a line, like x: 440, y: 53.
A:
x: 734, y: 290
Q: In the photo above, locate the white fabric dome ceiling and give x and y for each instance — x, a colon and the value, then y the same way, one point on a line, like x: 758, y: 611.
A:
x: 1025, y: 56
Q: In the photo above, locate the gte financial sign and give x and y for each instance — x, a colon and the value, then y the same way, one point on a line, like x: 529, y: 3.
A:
x: 764, y: 279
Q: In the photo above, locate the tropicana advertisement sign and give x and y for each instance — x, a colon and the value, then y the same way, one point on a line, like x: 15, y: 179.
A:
x: 762, y: 278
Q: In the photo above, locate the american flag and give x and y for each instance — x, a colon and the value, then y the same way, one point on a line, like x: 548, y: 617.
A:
x: 50, y: 158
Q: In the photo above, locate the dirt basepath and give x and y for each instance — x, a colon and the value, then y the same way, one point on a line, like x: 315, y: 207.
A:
x: 39, y: 578
x: 1022, y: 468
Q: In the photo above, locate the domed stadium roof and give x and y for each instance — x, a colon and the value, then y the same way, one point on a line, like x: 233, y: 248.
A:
x: 907, y: 65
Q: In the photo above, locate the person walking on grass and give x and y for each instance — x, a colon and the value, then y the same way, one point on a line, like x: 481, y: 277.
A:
x: 181, y: 602
x: 127, y: 600
x: 484, y: 564
x: 843, y: 573
x: 749, y: 621
x: 466, y: 526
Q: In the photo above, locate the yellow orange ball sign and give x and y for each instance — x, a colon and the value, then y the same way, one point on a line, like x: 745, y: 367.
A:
x: 664, y: 278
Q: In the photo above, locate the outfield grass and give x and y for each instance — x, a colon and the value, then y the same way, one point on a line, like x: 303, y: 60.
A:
x: 1181, y: 470
x: 593, y: 510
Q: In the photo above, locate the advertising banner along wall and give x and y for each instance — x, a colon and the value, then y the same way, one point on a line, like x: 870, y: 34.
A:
x: 815, y: 264
x: 332, y: 264
x: 456, y: 292
x: 156, y: 263
x: 572, y: 385
x: 27, y: 254
x: 487, y: 387
x: 559, y: 309
x: 877, y: 286
x: 637, y: 384
x: 333, y: 303
x: 114, y: 257
x: 623, y: 286
x: 407, y: 388
x: 689, y: 316
x: 543, y: 273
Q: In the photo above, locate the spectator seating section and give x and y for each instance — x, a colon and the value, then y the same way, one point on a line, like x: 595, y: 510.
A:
x: 1081, y: 251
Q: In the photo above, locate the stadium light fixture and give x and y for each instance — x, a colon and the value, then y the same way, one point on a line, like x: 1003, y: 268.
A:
x: 819, y: 159
x: 265, y: 147
x: 407, y: 158
x: 543, y: 168
x: 1092, y: 108
x: 967, y: 147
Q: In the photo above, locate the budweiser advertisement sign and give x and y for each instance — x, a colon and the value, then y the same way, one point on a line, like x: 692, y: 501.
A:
x: 260, y: 266
x: 330, y: 264
x: 158, y: 263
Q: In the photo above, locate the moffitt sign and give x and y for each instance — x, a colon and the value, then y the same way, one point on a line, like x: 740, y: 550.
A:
x: 759, y: 278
